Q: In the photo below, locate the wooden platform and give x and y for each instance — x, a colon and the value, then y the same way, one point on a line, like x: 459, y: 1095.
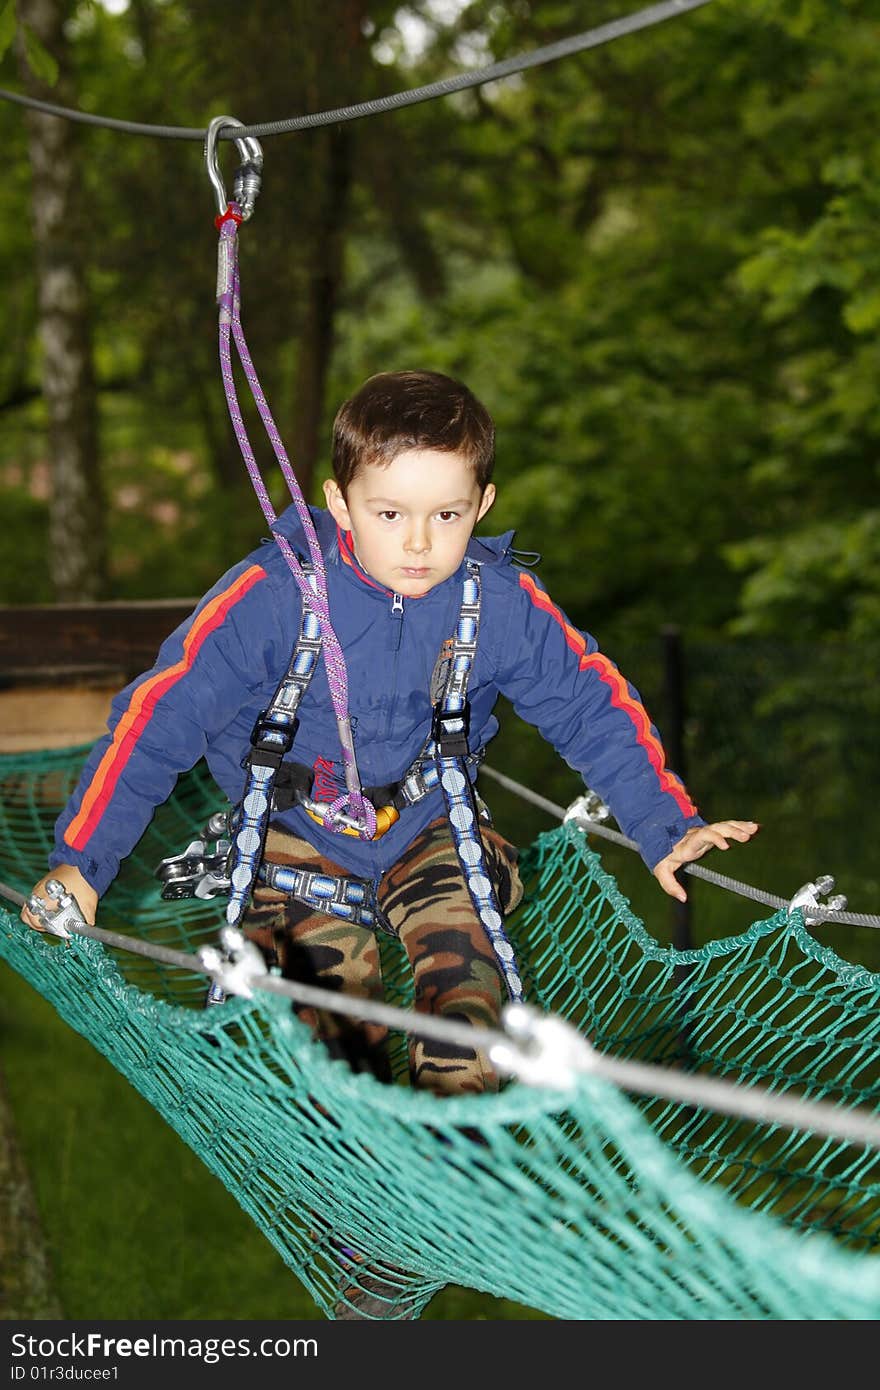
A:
x: 60, y: 666
x: 46, y: 716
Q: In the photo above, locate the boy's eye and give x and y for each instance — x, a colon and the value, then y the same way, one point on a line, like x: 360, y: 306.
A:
x: 389, y: 516
x: 447, y: 516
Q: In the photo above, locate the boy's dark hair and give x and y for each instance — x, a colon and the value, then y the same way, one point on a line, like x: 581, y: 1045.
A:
x: 396, y: 411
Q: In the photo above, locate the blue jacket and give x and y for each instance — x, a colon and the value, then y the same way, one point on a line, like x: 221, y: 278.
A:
x: 221, y: 667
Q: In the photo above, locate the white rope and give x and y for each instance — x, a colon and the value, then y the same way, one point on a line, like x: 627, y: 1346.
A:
x: 733, y: 885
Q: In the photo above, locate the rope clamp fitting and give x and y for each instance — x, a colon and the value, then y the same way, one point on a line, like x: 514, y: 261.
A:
x: 587, y: 809
x: 67, y: 914
x: 808, y: 895
x: 543, y: 1050
x: 235, y: 967
x: 248, y: 176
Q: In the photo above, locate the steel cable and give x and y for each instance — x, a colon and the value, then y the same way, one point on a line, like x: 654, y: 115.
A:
x: 509, y: 67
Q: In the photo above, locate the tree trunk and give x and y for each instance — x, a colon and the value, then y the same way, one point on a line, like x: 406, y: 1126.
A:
x: 77, y: 548
x: 325, y: 280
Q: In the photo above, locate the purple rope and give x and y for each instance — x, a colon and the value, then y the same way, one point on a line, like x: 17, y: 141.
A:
x: 229, y: 302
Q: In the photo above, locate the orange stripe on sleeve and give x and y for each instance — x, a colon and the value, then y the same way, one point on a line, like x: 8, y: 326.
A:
x: 141, y: 706
x: 620, y: 696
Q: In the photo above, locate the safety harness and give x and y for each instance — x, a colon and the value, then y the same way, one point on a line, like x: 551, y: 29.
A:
x: 236, y: 862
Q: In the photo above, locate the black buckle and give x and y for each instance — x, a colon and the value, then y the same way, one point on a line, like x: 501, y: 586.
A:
x: 272, y: 736
x: 451, y: 743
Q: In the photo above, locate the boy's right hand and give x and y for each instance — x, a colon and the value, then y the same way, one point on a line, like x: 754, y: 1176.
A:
x: 73, y: 881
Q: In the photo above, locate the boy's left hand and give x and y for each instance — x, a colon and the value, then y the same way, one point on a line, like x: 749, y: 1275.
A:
x: 694, y: 844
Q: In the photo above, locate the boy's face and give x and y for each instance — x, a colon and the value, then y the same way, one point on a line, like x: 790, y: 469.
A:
x: 411, y: 519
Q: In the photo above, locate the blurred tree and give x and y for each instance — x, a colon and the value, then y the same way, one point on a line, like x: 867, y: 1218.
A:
x: 158, y: 244
x: 653, y: 260
x: 76, y: 553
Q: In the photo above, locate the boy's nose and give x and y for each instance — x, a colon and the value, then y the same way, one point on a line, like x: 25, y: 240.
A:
x: 417, y: 541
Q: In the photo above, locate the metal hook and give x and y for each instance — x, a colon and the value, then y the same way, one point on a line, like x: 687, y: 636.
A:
x: 247, y: 177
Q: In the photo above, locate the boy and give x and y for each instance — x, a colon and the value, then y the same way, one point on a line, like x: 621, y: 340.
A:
x: 412, y: 460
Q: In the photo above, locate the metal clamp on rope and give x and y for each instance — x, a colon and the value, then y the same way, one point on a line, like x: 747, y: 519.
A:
x: 543, y: 1050
x: 234, y: 968
x: 808, y: 895
x: 68, y: 913
x: 450, y: 730
x: 587, y: 808
x: 248, y: 176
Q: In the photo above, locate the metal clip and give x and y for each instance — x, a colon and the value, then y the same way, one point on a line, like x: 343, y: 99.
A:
x: 808, y: 895
x: 202, y: 870
x: 233, y: 969
x: 587, y: 808
x: 67, y: 914
x: 543, y: 1050
x: 248, y: 176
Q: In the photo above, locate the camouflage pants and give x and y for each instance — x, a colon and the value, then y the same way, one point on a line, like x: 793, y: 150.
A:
x: 426, y: 904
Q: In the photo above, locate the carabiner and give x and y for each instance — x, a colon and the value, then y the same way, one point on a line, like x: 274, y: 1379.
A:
x: 246, y: 185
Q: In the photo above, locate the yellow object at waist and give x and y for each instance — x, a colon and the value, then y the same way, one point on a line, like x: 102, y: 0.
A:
x: 385, y: 818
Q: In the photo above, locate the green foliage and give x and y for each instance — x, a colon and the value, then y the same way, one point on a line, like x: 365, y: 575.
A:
x: 23, y: 542
x: 655, y: 261
x: 38, y: 57
x: 7, y: 25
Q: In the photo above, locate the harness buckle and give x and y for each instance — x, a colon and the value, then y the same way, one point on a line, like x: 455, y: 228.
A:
x: 450, y: 730
x: 272, y: 736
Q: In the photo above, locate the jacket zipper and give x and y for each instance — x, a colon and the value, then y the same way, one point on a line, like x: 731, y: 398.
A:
x: 397, y: 636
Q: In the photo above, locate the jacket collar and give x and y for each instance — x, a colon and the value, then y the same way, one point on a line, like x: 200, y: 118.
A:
x: 345, y: 549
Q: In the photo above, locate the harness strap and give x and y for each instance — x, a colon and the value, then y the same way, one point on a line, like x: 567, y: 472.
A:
x: 353, y: 899
x: 295, y: 782
x: 444, y: 759
x: 271, y: 738
x: 449, y: 748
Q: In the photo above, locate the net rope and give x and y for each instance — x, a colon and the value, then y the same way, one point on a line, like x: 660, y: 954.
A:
x: 587, y: 1204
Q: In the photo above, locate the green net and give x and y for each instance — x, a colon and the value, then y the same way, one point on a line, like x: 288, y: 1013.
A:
x: 583, y: 1204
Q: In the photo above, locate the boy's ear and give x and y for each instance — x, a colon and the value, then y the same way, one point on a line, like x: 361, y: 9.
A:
x: 336, y: 504
x: 486, y: 500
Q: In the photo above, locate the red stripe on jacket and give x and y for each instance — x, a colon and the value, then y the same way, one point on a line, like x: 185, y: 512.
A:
x: 620, y: 696
x: 141, y: 706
